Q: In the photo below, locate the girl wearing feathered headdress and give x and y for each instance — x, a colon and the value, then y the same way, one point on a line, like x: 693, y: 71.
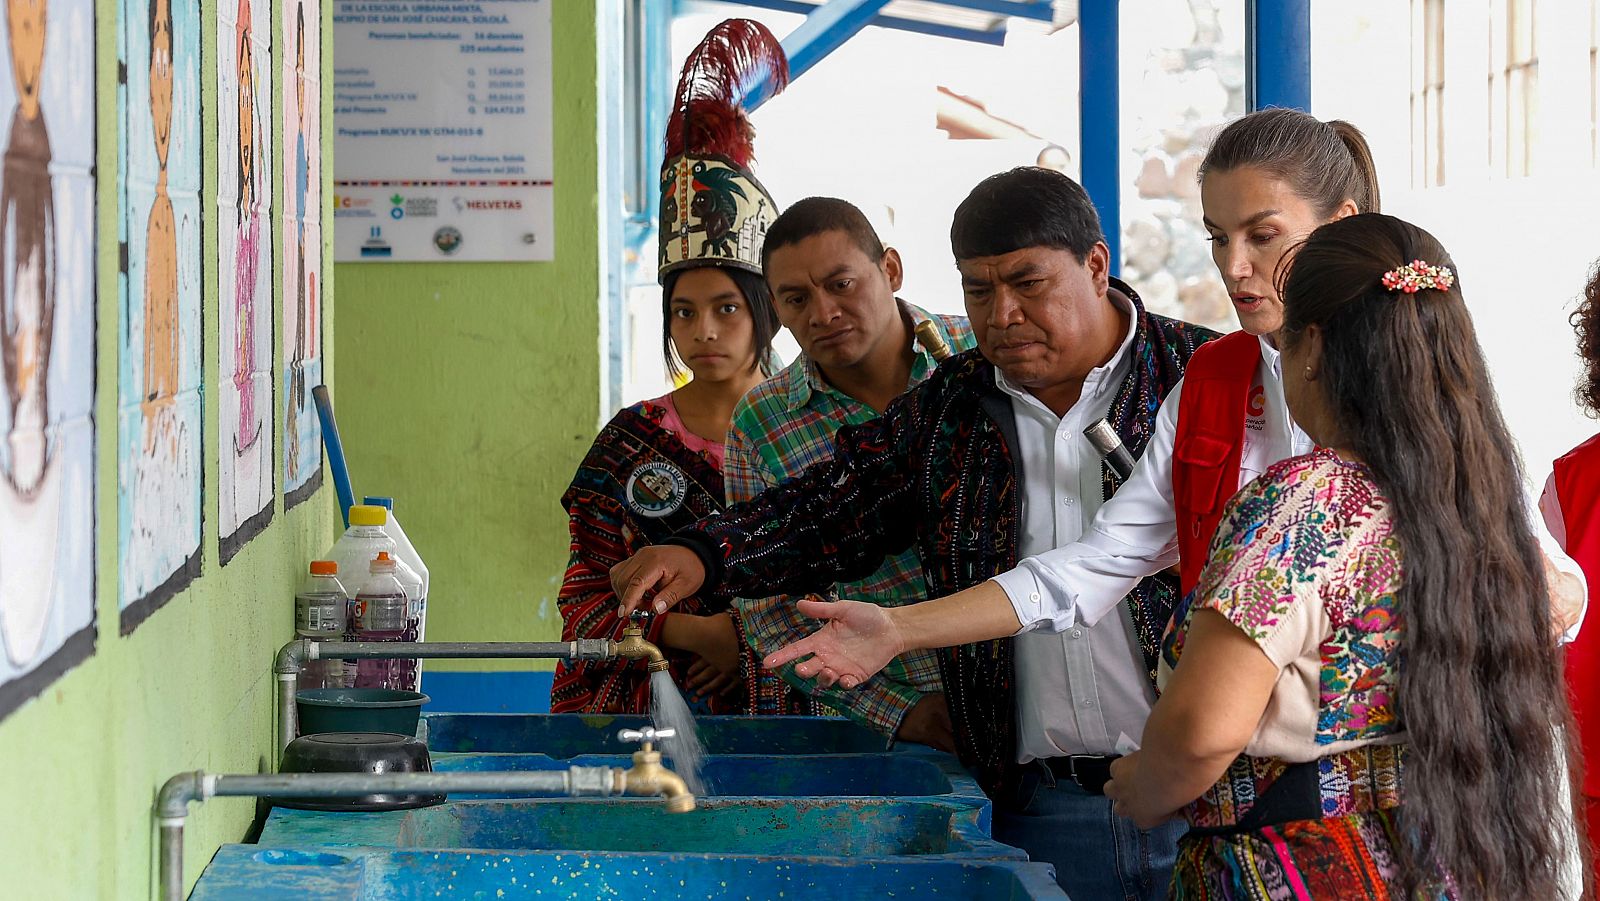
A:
x: 657, y: 465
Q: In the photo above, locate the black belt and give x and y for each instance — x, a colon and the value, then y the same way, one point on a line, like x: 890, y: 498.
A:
x: 1089, y: 772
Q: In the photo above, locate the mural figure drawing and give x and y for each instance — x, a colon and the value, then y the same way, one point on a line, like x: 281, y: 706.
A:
x: 46, y: 346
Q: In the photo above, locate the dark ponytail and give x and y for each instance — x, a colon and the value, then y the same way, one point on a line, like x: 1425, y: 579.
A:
x: 1481, y: 695
x: 1326, y: 163
x: 1365, y: 183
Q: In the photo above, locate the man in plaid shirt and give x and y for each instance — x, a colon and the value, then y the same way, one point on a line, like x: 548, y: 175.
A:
x: 834, y: 285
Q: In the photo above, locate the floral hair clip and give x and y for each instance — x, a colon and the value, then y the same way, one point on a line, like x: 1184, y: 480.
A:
x: 1417, y: 275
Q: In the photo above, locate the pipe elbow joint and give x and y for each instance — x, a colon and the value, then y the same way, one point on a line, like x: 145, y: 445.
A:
x: 172, y: 801
x: 292, y: 657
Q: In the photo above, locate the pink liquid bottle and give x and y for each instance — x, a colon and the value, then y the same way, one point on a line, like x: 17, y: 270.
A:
x: 381, y: 611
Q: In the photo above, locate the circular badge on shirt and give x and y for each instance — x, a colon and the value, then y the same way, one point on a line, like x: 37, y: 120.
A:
x: 656, y: 489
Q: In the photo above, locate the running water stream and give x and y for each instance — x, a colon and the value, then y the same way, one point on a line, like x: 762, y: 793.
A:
x: 668, y: 710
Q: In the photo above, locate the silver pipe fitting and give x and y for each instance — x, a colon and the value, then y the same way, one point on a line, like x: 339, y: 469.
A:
x: 172, y: 802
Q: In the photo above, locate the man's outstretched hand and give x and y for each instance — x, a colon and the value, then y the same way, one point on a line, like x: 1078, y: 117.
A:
x: 857, y: 641
x: 663, y: 575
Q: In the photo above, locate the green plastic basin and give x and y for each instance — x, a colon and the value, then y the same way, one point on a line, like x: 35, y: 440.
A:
x: 358, y: 710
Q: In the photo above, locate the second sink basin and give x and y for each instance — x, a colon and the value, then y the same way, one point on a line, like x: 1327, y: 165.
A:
x: 858, y: 828
x: 570, y: 734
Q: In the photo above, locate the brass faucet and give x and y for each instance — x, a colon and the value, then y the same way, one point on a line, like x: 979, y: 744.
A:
x: 649, y: 777
x: 634, y: 647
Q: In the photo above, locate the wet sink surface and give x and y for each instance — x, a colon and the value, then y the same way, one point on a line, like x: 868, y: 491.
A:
x: 768, y: 827
x: 569, y: 735
x: 365, y: 874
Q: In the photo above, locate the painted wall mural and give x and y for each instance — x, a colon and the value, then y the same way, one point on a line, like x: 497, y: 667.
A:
x: 246, y: 464
x: 160, y: 399
x: 47, y: 344
x: 302, y: 246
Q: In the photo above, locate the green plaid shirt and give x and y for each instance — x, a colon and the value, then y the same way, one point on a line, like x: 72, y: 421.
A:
x: 781, y: 428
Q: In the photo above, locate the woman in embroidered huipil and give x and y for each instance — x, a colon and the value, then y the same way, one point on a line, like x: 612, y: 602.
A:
x: 1362, y: 697
x: 657, y: 465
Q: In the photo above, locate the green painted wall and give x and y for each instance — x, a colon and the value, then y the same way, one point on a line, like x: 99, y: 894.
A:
x: 470, y: 391
x: 191, y: 687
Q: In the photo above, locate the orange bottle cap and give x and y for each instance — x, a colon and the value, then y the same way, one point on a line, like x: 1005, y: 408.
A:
x: 324, y: 568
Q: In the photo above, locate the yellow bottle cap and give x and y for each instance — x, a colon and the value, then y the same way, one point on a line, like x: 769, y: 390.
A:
x: 364, y: 515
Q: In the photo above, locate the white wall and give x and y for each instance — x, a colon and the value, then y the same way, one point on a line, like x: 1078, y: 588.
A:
x: 1524, y: 245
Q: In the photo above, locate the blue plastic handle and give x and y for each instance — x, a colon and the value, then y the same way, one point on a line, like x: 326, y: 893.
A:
x: 330, y: 440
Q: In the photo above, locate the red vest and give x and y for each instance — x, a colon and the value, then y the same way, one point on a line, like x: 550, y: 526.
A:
x: 1208, y: 444
x: 1578, y: 491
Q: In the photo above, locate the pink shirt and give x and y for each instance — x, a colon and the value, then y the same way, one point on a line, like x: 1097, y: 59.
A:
x: 674, y: 424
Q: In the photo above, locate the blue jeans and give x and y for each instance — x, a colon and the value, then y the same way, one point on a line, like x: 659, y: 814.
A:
x: 1098, y: 856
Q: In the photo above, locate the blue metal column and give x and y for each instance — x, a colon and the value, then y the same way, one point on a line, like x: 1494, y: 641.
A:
x: 1100, y: 117
x: 1277, y: 52
x: 612, y: 142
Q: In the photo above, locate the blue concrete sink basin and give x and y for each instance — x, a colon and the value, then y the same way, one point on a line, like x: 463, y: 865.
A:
x: 370, y: 874
x: 834, y: 776
x: 564, y: 735
x: 875, y: 828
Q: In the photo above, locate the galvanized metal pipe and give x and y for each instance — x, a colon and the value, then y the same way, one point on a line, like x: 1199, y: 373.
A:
x: 293, y: 657
x: 580, y: 649
x: 172, y: 803
x: 288, y: 684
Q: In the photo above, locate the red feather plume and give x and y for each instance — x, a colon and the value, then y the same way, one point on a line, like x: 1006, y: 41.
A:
x: 707, y: 113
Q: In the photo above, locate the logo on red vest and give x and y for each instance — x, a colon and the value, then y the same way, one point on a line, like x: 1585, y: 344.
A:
x: 1256, y: 409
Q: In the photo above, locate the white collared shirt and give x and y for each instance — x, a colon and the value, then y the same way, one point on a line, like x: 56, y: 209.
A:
x: 1135, y: 533
x: 1079, y: 690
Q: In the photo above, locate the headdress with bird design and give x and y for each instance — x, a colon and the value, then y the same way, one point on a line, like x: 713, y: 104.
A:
x: 713, y: 211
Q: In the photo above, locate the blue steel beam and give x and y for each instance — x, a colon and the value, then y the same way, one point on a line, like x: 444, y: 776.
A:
x: 1278, y: 54
x: 825, y: 30
x: 1100, y: 117
x: 1037, y: 10
x: 995, y: 37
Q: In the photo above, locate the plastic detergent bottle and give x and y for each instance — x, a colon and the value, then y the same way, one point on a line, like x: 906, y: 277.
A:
x: 380, y: 612
x: 362, y: 542
x: 320, y: 610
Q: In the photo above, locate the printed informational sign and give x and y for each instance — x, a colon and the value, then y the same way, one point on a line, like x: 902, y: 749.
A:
x: 442, y: 120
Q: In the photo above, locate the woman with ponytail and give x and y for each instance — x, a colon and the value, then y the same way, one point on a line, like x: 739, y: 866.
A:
x: 1362, y: 698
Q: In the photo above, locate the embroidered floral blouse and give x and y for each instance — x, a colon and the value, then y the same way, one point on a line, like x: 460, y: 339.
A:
x: 1306, y: 563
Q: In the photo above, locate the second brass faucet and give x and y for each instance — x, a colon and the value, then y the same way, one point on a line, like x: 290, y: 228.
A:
x: 649, y: 777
